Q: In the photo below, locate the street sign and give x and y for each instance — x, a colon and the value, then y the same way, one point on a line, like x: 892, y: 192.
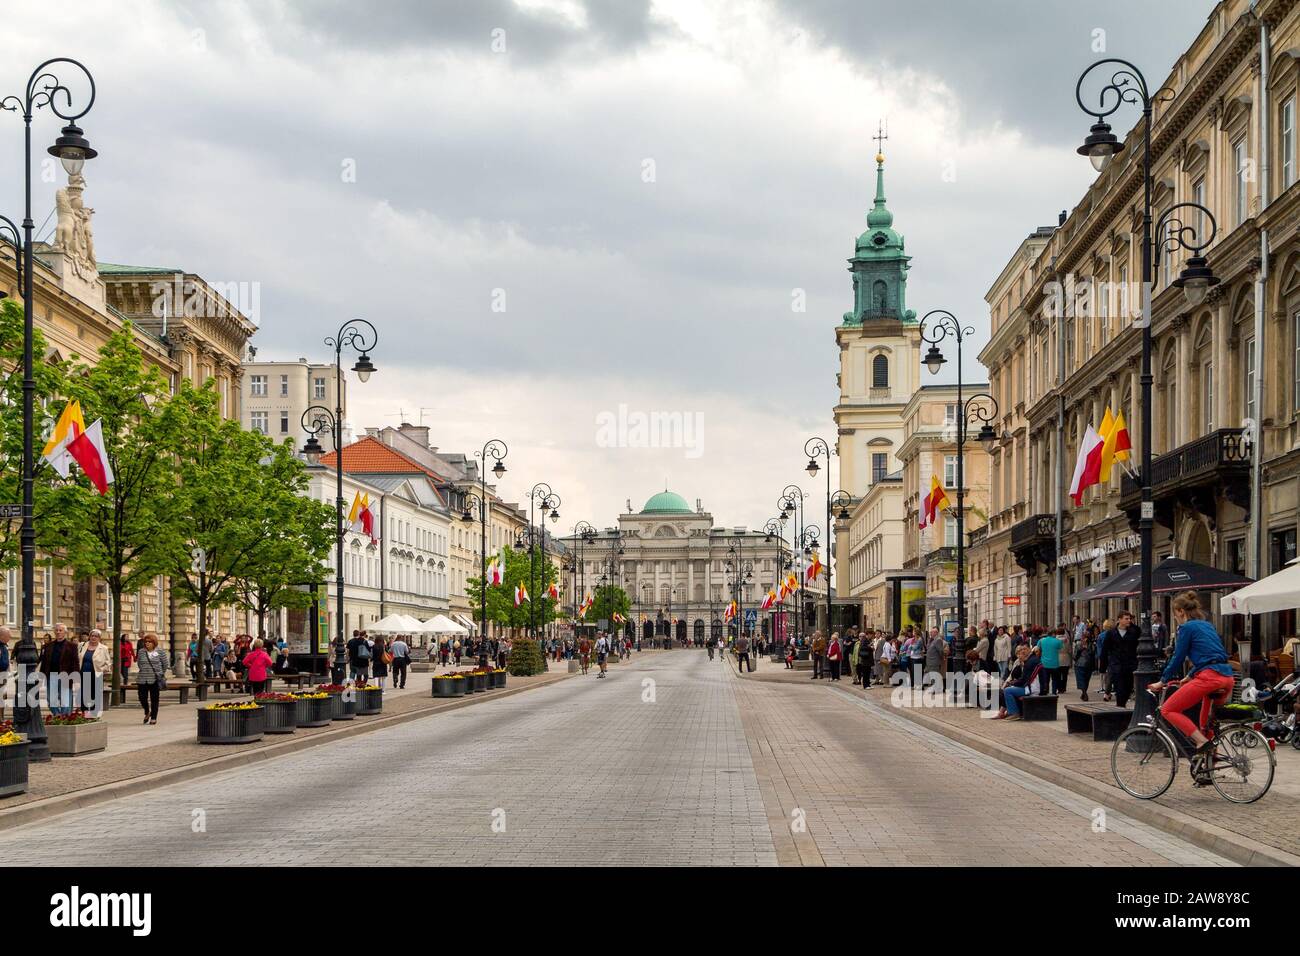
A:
x: 751, y: 616
x: 11, y: 511
x: 1011, y: 601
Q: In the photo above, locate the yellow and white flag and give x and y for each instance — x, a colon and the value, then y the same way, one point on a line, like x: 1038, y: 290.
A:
x: 66, y: 430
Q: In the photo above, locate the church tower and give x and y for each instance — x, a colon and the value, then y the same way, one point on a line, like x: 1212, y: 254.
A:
x: 880, y: 356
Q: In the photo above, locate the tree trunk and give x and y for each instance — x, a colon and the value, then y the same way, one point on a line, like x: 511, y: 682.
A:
x: 115, y: 586
x: 261, y: 622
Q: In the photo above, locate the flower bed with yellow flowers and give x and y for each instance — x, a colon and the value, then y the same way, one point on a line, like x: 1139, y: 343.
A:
x: 231, y: 722
x: 13, y: 762
x: 369, y: 698
x: 314, y: 708
x: 281, y: 712
x: 450, y: 685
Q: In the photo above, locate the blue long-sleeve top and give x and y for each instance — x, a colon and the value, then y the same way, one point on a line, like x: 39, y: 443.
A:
x: 1199, y: 643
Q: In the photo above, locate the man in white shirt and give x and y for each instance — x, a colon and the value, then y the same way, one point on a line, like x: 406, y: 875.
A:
x: 602, y: 654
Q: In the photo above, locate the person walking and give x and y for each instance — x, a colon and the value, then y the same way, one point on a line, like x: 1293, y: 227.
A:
x: 257, y: 663
x: 936, y: 655
x: 1084, y: 663
x: 1119, y: 656
x: 126, y: 657
x: 150, y: 676
x: 380, y: 658
x: 835, y: 655
x: 96, y: 670
x: 818, y: 655
x: 59, y: 664
x: 401, y: 652
x: 1049, y: 656
x: 1002, y: 652
x: 742, y: 655
x: 359, y: 658
x: 455, y: 651
x: 602, y: 654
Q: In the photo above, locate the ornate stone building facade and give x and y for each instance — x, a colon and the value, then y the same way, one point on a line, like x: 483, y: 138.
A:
x: 1226, y: 393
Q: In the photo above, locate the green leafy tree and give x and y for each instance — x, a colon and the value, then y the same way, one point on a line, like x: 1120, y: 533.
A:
x: 115, y: 536
x: 297, y: 534
x: 501, y: 607
x: 608, y: 600
x: 50, y: 378
x: 216, y: 520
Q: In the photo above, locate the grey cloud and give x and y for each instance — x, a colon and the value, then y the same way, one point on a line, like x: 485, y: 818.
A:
x: 1008, y: 61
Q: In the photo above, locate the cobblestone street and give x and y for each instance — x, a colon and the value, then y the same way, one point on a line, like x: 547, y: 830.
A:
x: 672, y: 760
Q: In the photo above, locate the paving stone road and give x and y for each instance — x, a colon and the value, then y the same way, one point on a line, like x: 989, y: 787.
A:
x: 589, y: 772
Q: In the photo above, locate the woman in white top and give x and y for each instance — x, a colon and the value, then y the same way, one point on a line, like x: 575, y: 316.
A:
x: 1002, y: 652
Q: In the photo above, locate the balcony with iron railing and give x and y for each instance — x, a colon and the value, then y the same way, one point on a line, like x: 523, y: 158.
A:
x: 1033, y: 541
x: 1194, y: 474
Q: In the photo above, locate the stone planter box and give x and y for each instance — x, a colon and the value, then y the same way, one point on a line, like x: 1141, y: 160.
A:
x: 573, y: 666
x: 480, y: 682
x: 448, y: 687
x: 369, y: 702
x: 231, y: 726
x: 313, y: 712
x: 13, y: 769
x: 281, y: 716
x: 498, y: 678
x: 68, y: 740
x: 343, y: 706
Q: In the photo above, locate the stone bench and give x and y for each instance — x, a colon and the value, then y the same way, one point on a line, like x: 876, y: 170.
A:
x: 1103, y: 721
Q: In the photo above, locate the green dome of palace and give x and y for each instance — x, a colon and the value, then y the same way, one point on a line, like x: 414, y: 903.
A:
x: 666, y: 503
x: 879, y: 266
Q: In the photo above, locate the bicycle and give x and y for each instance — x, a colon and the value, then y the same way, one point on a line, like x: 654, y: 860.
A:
x: 1144, y: 760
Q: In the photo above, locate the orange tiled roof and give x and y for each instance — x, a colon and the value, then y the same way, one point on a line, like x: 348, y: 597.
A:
x: 370, y: 456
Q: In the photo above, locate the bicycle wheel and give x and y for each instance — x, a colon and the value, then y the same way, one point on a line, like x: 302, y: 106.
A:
x: 1241, y: 766
x: 1144, y: 762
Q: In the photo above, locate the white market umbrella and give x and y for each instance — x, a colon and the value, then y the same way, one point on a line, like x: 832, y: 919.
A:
x: 441, y: 624
x: 1277, y: 592
x: 395, y: 624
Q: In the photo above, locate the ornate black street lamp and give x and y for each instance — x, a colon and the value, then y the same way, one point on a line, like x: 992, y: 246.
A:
x: 44, y: 89
x: 585, y: 533
x: 543, y: 498
x: 1128, y: 85
x: 741, y: 572
x: 360, y: 335
x: 775, y: 528
x: 814, y: 448
x: 496, y: 450
x: 791, y: 505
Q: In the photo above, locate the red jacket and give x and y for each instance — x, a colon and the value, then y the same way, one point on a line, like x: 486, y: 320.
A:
x: 257, y: 662
x: 833, y: 652
x: 126, y: 653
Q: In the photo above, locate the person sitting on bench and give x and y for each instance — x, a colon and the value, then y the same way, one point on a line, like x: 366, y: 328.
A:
x: 1021, y: 682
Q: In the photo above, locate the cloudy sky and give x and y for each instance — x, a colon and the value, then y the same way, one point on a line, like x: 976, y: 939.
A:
x: 557, y: 209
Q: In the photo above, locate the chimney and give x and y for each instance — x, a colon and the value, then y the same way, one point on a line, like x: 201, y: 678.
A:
x: 1060, y: 220
x: 417, y: 433
x: 699, y: 506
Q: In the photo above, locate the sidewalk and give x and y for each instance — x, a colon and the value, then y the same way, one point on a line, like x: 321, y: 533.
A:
x: 140, y: 757
x: 1261, y: 833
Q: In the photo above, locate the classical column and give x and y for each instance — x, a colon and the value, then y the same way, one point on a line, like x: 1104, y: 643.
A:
x: 1223, y: 380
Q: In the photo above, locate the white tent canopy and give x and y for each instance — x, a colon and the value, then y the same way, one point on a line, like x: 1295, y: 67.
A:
x: 1277, y: 592
x: 397, y: 624
x: 441, y: 624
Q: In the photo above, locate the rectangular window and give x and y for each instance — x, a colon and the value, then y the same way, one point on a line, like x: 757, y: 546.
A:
x: 950, y: 414
x: 160, y: 599
x: 284, y: 386
x: 319, y: 387
x: 257, y: 386
x: 950, y: 532
x: 1207, y: 396
x: 1237, y: 556
x: 257, y: 421
x: 879, y: 464
x: 1249, y: 361
x: 284, y: 423
x: 1295, y: 389
x: 1239, y: 172
x: 1070, y: 333
x: 1103, y: 310
x: 949, y: 472
x: 1123, y: 299
x: 1288, y: 142
x: 1283, y: 548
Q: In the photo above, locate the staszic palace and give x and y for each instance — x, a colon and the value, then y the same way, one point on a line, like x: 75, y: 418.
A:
x: 1064, y: 345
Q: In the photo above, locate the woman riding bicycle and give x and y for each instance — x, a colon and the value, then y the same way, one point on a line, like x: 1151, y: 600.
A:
x: 1210, y: 677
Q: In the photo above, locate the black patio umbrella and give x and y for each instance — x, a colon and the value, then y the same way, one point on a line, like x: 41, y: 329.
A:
x: 1096, y: 589
x: 1171, y: 574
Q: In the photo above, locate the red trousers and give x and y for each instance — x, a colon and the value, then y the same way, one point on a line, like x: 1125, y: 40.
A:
x: 1204, y: 686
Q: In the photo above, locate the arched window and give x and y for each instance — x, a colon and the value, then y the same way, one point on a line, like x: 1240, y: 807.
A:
x: 880, y: 372
x: 879, y: 297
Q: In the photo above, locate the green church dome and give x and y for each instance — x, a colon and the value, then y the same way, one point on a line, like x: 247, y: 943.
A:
x: 667, y: 503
